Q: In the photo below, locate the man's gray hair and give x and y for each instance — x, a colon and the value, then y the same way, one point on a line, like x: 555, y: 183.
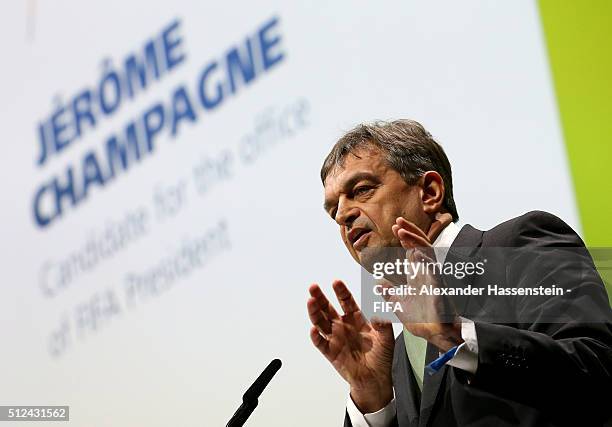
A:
x: 408, y: 148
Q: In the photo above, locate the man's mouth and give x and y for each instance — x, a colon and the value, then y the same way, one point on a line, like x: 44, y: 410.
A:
x: 359, y: 238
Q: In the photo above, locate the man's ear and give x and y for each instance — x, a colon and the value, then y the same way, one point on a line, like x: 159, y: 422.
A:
x: 432, y: 192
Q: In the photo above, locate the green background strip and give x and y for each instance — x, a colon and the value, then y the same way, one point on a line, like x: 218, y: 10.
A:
x: 579, y: 39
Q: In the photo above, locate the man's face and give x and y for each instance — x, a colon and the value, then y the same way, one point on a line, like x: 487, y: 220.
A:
x: 365, y: 196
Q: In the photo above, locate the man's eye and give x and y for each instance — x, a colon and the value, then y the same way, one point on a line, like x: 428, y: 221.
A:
x: 364, y: 189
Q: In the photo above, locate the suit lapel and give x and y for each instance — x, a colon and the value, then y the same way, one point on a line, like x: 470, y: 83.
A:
x: 462, y: 248
x: 431, y: 386
x: 407, y: 394
x: 466, y: 241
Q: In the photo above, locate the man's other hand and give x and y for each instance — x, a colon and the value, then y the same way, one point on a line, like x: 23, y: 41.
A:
x: 361, y: 352
x: 426, y: 316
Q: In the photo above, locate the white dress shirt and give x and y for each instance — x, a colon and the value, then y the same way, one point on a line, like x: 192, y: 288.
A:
x: 466, y: 357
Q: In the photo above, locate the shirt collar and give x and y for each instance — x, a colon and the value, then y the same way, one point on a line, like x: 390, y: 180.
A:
x: 444, y: 241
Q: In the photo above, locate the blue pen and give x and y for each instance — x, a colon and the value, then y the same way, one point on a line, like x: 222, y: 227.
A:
x: 435, y: 366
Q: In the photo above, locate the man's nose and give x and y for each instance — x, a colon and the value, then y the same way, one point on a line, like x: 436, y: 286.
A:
x: 346, y: 214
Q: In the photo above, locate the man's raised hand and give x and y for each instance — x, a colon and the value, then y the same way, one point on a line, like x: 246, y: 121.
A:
x: 360, y: 351
x: 428, y: 316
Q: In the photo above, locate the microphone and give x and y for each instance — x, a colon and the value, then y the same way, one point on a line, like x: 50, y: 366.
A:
x: 249, y: 398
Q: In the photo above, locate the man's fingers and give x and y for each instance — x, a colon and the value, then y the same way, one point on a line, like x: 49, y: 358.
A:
x: 390, y: 296
x: 332, y: 333
x: 403, y: 223
x: 410, y: 240
x: 319, y: 342
x: 356, y: 320
x: 419, y: 255
x: 385, y: 285
x: 322, y: 302
x: 318, y: 317
x: 410, y: 235
x: 343, y: 336
x: 315, y: 291
x: 345, y: 298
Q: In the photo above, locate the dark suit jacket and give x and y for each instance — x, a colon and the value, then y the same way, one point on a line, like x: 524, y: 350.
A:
x: 530, y: 373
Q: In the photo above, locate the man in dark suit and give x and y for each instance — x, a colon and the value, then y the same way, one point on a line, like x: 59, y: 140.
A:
x: 518, y: 361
